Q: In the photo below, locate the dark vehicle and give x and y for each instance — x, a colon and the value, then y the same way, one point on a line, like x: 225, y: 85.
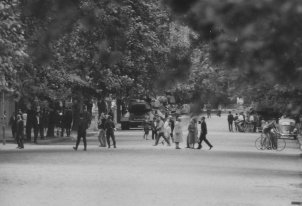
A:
x: 138, y: 112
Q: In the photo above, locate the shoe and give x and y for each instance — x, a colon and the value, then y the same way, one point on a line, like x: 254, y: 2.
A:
x: 21, y: 147
x: 177, y: 148
x: 35, y: 142
x: 210, y: 147
x: 114, y: 146
x: 85, y: 149
x: 199, y: 147
x: 75, y: 149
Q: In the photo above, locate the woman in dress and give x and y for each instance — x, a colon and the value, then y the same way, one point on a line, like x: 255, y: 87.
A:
x: 193, y: 133
x: 177, y: 133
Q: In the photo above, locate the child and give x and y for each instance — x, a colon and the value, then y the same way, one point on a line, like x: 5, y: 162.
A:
x: 146, y: 129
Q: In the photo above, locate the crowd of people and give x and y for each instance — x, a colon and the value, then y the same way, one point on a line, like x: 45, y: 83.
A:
x: 170, y: 130
x: 42, y: 123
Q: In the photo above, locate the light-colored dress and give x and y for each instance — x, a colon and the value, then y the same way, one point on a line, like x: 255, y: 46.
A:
x: 193, y: 132
x: 178, y: 132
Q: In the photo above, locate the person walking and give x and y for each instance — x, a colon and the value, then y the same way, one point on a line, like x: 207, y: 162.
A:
x: 153, y: 128
x: 177, y: 133
x: 203, y: 134
x: 160, y: 132
x: 230, y: 121
x: 168, y: 129
x: 193, y: 132
x: 82, y: 127
x: 102, y: 133
x: 110, y: 127
x: 19, y: 132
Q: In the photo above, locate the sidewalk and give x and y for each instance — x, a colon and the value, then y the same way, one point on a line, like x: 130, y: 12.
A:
x: 47, y: 140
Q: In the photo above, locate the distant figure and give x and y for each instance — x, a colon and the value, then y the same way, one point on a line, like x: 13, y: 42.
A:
x: 160, y: 132
x: 146, y: 130
x: 203, y: 134
x: 153, y: 128
x: 13, y: 124
x: 101, y: 127
x: 82, y: 127
x: 110, y: 127
x: 38, y: 126
x: 192, y: 135
x: 230, y: 121
x: 19, y: 132
x: 209, y: 113
x: 67, y: 121
x: 30, y: 122
x: 178, y: 134
x: 168, y: 129
x: 236, y: 121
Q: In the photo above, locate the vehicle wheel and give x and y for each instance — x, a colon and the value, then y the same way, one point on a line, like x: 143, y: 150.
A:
x: 259, y: 143
x: 281, y: 144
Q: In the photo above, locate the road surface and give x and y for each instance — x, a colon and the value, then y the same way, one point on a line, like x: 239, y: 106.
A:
x: 233, y: 173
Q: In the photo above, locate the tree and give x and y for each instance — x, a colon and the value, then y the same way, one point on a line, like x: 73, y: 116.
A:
x: 260, y: 38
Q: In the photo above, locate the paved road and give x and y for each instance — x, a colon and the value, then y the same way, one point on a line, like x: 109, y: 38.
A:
x: 234, y: 173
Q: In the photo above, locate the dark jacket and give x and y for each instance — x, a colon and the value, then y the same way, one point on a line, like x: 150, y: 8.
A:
x: 204, y: 129
x: 20, y: 127
x: 101, y: 124
x: 109, y: 125
x: 83, y: 124
x: 13, y: 122
x: 230, y: 118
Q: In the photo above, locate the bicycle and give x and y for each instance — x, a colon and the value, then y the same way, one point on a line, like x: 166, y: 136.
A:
x: 264, y: 142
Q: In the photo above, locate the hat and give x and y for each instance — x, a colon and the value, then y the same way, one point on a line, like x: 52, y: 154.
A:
x: 203, y: 118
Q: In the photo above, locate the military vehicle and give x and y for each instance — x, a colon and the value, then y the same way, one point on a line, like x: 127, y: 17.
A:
x: 138, y: 112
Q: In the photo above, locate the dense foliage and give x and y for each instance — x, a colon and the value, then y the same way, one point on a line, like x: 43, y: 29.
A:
x: 260, y: 39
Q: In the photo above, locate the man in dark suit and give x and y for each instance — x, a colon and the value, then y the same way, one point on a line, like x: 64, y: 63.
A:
x: 110, y: 127
x: 82, y: 127
x: 230, y: 121
x: 203, y: 134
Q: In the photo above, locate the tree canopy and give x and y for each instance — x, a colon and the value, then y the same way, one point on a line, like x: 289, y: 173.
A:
x: 260, y: 39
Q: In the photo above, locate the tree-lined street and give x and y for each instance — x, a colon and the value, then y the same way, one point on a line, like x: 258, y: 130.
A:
x: 233, y: 173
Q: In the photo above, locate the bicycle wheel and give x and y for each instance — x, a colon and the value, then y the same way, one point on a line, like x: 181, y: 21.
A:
x: 281, y: 144
x: 259, y: 143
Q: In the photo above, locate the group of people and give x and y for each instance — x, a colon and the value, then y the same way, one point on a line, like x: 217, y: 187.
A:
x: 239, y: 120
x: 42, y: 123
x: 171, y: 131
x: 107, y: 128
x: 192, y: 138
